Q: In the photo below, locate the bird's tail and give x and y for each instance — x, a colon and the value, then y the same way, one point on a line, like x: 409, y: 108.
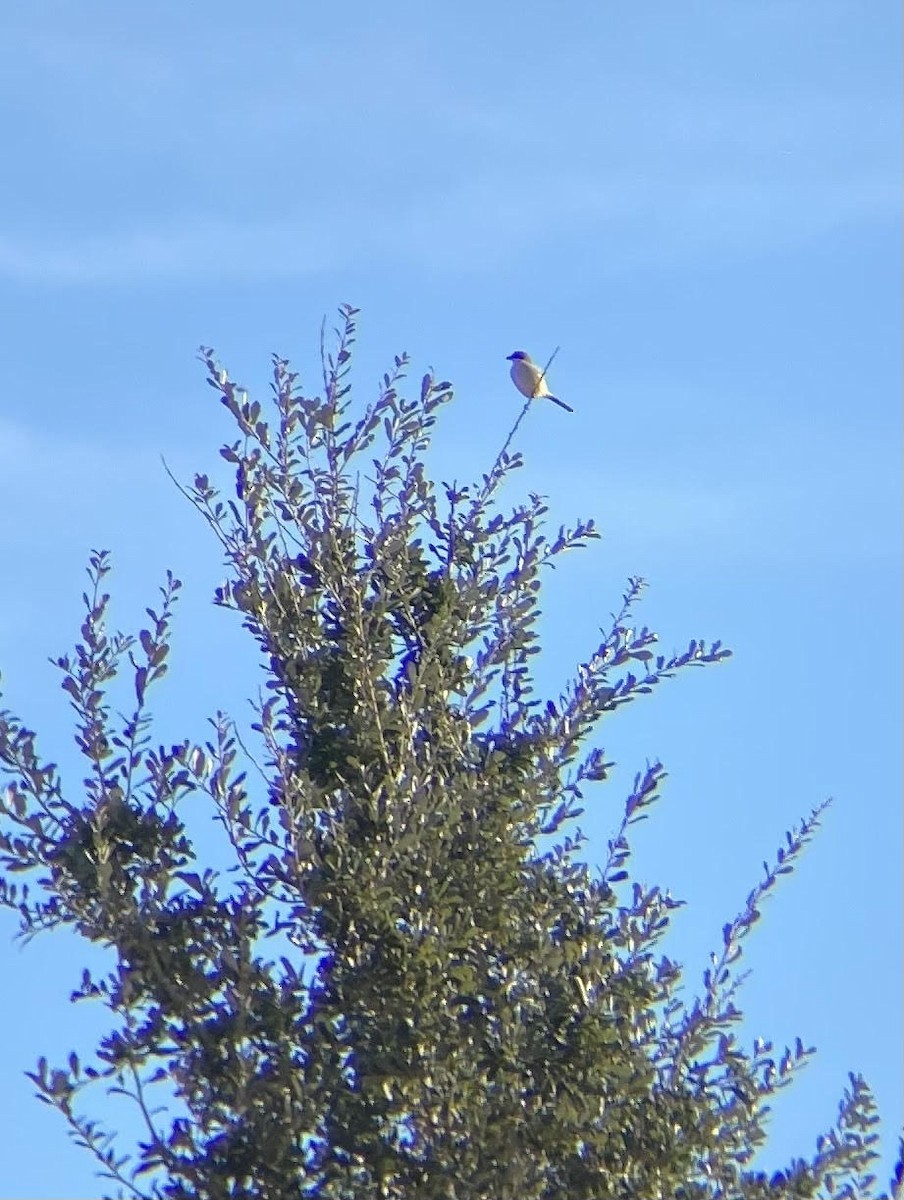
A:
x: 561, y: 403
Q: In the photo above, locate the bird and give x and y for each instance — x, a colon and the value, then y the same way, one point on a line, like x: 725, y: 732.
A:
x: 530, y: 380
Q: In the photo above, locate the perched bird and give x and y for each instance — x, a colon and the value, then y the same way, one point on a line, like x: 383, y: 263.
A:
x: 530, y: 380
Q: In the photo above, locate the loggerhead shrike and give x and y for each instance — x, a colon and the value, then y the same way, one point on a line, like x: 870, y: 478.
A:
x: 530, y: 380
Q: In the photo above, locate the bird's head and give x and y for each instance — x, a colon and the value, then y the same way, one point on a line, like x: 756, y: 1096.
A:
x: 518, y: 356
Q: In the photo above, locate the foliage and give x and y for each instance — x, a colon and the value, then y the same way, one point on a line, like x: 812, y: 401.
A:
x: 409, y: 985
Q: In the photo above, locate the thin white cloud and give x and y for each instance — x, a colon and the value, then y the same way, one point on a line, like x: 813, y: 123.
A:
x: 842, y: 509
x: 474, y: 227
x: 340, y: 166
x: 65, y: 484
x: 199, y: 248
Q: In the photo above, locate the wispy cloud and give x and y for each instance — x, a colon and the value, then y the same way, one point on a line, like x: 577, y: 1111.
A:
x: 474, y: 227
x: 186, y: 152
x: 787, y: 492
x: 69, y: 487
x: 210, y: 249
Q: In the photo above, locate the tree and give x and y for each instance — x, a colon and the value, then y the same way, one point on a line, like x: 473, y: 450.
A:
x: 409, y: 985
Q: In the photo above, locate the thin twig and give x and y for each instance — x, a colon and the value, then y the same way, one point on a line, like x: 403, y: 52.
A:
x: 548, y: 365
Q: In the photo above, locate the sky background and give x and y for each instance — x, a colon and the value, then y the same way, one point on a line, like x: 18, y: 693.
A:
x: 699, y: 204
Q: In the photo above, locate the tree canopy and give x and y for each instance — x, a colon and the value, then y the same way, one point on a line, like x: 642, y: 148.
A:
x: 409, y: 983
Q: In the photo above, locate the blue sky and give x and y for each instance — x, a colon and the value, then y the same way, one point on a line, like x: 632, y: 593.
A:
x: 699, y: 204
